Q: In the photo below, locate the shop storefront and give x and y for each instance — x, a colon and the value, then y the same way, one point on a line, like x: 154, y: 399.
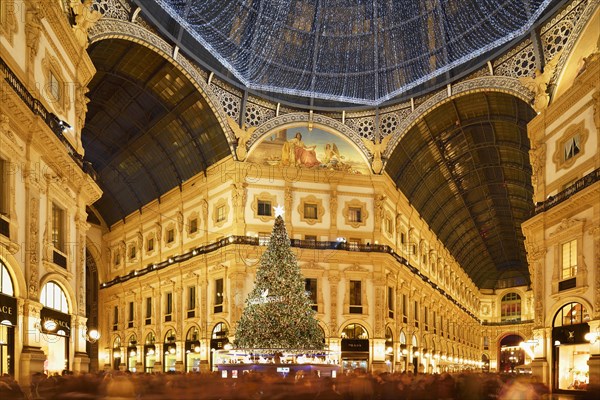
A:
x: 192, y: 350
x: 511, y: 354
x: 116, y: 353
x: 132, y: 353
x: 571, y: 351
x: 389, y: 350
x: 218, y: 340
x: 55, y: 326
x: 170, y: 352
x: 355, y: 348
x: 8, y: 321
x: 149, y: 352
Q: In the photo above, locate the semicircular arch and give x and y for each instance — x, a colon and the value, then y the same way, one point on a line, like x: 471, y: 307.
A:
x: 66, y: 288
x: 125, y: 30
x: 16, y: 274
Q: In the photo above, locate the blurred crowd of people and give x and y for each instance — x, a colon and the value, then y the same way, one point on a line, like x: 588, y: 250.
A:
x: 357, y: 385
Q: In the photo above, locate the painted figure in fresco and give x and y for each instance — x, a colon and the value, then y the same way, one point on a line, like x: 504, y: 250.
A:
x: 295, y: 152
x: 332, y: 154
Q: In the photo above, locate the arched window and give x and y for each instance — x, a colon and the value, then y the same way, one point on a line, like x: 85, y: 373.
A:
x: 54, y: 297
x: 6, y: 285
x: 193, y: 334
x: 571, y: 314
x: 220, y: 331
x: 510, y: 307
x: 354, y: 331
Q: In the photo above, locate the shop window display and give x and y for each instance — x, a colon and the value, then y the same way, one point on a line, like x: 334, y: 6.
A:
x: 571, y: 349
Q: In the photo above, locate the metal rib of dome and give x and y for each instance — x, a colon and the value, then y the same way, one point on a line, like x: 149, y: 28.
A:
x: 353, y: 51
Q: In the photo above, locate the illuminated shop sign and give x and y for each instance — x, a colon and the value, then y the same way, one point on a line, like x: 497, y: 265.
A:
x: 8, y: 310
x: 55, y: 322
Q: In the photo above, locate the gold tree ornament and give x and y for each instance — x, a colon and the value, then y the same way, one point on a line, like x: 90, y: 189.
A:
x: 242, y: 134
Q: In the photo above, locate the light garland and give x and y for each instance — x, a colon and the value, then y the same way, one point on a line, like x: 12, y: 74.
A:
x: 356, y: 51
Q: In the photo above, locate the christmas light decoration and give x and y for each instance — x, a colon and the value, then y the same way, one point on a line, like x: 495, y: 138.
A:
x: 357, y: 51
x: 278, y: 313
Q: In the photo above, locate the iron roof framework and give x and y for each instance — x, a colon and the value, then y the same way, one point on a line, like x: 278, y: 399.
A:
x: 465, y: 168
x: 148, y: 129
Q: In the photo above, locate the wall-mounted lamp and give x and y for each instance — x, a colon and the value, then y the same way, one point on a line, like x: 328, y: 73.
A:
x: 403, y: 349
x: 92, y: 335
x: 591, y: 337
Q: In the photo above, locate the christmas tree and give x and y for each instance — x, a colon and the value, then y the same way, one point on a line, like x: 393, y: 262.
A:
x: 278, y: 313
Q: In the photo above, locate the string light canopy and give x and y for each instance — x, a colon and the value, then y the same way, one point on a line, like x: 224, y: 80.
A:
x: 350, y: 51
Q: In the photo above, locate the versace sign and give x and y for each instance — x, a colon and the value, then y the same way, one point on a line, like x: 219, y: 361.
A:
x: 8, y: 309
x: 54, y: 322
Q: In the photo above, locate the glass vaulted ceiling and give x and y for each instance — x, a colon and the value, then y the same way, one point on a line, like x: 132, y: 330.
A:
x: 348, y: 51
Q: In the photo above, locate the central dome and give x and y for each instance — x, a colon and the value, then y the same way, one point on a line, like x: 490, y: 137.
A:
x: 352, y: 51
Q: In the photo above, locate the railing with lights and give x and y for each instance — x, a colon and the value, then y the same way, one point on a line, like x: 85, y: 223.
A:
x: 303, y: 244
x: 55, y: 124
x: 576, y: 187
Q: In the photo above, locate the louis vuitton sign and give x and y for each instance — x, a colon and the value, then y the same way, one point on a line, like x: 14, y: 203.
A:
x: 8, y: 309
x: 54, y: 322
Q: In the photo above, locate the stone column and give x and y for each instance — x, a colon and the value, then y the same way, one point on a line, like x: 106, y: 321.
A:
x: 333, y: 209
x: 81, y: 360
x: 594, y: 360
x: 32, y: 357
x: 334, y: 280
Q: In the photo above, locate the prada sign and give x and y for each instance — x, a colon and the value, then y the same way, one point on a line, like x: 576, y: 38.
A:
x: 355, y: 345
x: 8, y: 309
x: 55, y: 323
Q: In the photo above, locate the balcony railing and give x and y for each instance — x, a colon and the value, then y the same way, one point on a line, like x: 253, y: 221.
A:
x: 576, y: 187
x: 55, y: 124
x: 304, y: 244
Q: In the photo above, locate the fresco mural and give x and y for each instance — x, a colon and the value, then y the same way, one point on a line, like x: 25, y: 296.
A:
x: 302, y: 148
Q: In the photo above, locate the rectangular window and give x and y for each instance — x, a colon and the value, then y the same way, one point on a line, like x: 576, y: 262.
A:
x: 150, y: 246
x: 264, y: 208
x: 354, y: 244
x: 404, y: 309
x: 310, y: 239
x: 220, y: 213
x: 355, y: 297
x: 426, y: 318
x: 569, y: 259
x: 54, y: 87
x: 416, y: 313
x: 571, y: 147
x: 117, y: 257
x: 218, y: 295
x: 263, y: 238
x: 148, y: 310
x: 170, y: 235
x: 486, y: 343
x: 355, y: 214
x: 116, y: 318
x: 390, y: 302
x: 191, y: 306
x: 130, y: 316
x: 169, y: 307
x: 310, y: 211
x: 58, y: 223
x: 191, y: 297
x: 310, y: 285
x: 3, y: 187
x: 132, y: 252
x: 389, y: 228
x: 403, y: 238
x: 193, y: 225
x: 435, y: 320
